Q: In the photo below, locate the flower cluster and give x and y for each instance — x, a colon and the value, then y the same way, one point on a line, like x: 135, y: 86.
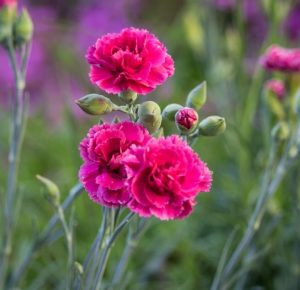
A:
x: 131, y: 60
x: 281, y: 59
x: 125, y: 166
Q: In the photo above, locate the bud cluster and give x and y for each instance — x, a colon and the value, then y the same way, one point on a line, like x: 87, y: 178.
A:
x: 15, y: 28
x: 187, y: 118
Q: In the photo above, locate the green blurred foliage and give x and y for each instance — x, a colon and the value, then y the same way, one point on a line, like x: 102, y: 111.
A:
x: 206, y: 45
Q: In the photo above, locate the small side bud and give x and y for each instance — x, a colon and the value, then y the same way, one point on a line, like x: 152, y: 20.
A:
x: 212, y: 126
x: 277, y: 88
x: 7, y: 17
x: 280, y: 132
x: 149, y: 115
x: 186, y: 120
x: 197, y: 97
x: 94, y: 104
x: 79, y: 268
x: 23, y: 28
x: 53, y: 191
x: 170, y: 110
x: 128, y: 96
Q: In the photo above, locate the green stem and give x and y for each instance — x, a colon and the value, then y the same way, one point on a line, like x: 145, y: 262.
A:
x: 13, y: 159
x: 43, y: 238
x: 269, y: 187
x: 69, y: 241
x: 132, y: 240
x: 107, y: 249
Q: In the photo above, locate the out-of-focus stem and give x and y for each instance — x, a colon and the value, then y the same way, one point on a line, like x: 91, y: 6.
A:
x: 69, y: 241
x: 269, y: 186
x: 43, y: 238
x: 13, y: 158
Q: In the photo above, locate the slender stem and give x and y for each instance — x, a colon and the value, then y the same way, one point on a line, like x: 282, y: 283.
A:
x: 94, y: 251
x: 69, y: 240
x: 107, y: 249
x: 13, y: 160
x: 42, y: 238
x: 255, y: 219
x: 269, y: 186
x: 131, y: 243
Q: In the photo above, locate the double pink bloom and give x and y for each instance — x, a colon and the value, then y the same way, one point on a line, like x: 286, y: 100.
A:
x: 133, y: 59
x: 282, y: 59
x: 125, y: 166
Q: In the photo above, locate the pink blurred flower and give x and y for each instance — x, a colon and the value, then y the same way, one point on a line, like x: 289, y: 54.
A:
x: 133, y: 60
x: 103, y: 173
x: 282, y: 59
x: 186, y: 118
x: 165, y: 177
x: 277, y: 87
x: 8, y: 3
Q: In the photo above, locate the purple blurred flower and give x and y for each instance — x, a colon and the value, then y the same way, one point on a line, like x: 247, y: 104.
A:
x: 291, y: 25
x: 100, y: 18
x: 224, y: 5
x: 256, y: 22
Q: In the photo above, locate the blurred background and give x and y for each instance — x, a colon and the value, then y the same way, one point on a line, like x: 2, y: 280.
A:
x: 219, y: 41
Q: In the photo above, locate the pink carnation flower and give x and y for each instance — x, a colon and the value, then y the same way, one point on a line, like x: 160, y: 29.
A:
x: 103, y: 173
x: 277, y: 87
x: 165, y: 177
x: 7, y: 3
x: 282, y: 59
x: 133, y: 59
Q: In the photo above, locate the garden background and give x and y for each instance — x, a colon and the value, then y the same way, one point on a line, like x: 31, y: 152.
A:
x: 217, y: 41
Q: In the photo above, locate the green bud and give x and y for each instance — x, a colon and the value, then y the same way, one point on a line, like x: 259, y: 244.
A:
x: 281, y: 131
x: 53, y: 191
x: 23, y: 28
x: 7, y: 17
x: 170, y: 110
x: 94, y: 104
x: 197, y: 97
x: 212, y: 126
x: 128, y: 96
x: 79, y: 268
x: 149, y: 115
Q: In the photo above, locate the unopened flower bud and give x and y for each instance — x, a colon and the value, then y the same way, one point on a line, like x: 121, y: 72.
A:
x: 276, y: 87
x: 197, y: 97
x: 128, y: 96
x: 7, y: 16
x: 149, y: 115
x: 52, y: 189
x: 79, y: 268
x: 281, y: 131
x: 170, y: 110
x: 212, y: 126
x: 186, y: 120
x: 94, y: 104
x: 23, y: 28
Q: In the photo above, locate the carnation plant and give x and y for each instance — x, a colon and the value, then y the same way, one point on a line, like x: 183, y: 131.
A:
x: 129, y: 167
x: 133, y: 168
